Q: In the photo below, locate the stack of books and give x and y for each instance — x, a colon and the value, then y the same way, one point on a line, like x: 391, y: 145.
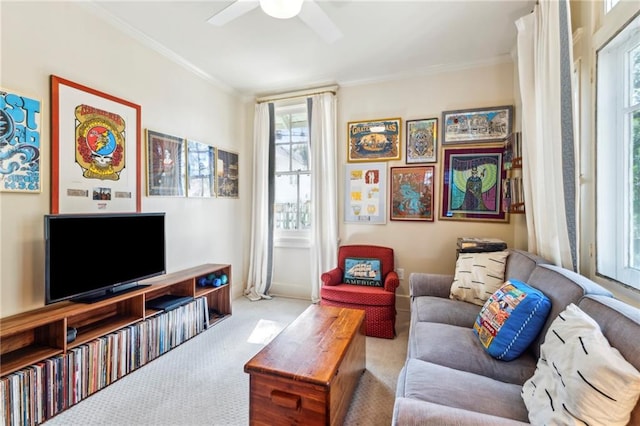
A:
x: 479, y: 245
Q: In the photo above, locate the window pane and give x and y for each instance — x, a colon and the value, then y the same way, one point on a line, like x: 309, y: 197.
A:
x: 305, y: 201
x: 283, y: 157
x: 286, y: 203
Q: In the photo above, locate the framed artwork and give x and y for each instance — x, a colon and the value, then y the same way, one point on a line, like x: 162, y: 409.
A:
x: 226, y: 174
x: 422, y: 141
x: 365, y: 193
x: 165, y: 165
x: 95, y: 150
x: 412, y: 193
x: 375, y: 140
x: 20, y: 132
x: 471, y: 184
x: 201, y: 160
x: 479, y: 125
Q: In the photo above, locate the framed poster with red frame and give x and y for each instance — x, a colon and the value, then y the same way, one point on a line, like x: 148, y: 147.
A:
x: 472, y: 184
x: 412, y: 193
x: 95, y: 150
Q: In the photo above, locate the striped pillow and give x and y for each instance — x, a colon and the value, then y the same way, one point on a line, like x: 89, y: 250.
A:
x: 580, y: 378
x: 478, y: 276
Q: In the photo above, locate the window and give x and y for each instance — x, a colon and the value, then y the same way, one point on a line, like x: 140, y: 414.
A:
x: 609, y: 4
x: 618, y: 157
x: 292, y: 174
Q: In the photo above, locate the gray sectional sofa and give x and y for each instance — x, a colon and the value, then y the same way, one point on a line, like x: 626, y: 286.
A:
x: 450, y: 379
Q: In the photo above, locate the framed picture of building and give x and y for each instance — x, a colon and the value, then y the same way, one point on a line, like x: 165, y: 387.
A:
x: 478, y: 125
x: 20, y: 147
x: 472, y: 184
x: 227, y: 185
x: 374, y: 140
x: 95, y: 150
x: 412, y: 193
x: 166, y: 171
x: 422, y: 141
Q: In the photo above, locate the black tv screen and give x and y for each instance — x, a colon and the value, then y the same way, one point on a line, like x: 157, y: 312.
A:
x: 91, y: 256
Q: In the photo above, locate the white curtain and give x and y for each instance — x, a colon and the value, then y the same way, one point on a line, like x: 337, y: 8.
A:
x: 547, y: 131
x: 260, y: 263
x: 324, y: 189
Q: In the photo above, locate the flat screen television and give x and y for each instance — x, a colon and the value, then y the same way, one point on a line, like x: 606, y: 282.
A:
x: 90, y: 257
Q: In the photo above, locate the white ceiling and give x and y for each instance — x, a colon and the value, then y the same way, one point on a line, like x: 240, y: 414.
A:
x: 257, y: 55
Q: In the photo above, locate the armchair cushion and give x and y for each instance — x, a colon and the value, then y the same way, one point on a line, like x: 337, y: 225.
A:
x: 362, y: 271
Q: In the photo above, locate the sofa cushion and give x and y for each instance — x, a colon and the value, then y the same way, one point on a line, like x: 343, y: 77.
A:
x: 510, y: 319
x: 458, y: 348
x: 362, y: 271
x: 477, y: 276
x: 437, y: 309
x: 562, y: 287
x: 358, y: 294
x: 580, y: 376
x: 434, y: 383
x: 620, y: 324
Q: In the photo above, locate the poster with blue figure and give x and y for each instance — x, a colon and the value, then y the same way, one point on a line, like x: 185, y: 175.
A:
x: 412, y: 193
x: 19, y: 142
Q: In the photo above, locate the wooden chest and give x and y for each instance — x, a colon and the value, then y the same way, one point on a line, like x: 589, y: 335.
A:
x: 308, y: 373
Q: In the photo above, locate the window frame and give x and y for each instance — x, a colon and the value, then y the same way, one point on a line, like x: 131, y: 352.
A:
x: 614, y: 162
x: 292, y: 237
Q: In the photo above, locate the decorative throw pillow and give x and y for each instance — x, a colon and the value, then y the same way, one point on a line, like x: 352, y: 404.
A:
x: 579, y: 377
x: 511, y: 319
x: 477, y: 276
x: 362, y: 271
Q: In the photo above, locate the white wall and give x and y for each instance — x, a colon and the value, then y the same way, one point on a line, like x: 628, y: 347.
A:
x: 418, y: 246
x: 66, y: 39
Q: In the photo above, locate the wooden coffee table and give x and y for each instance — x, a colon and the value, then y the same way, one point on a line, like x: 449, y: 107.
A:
x: 308, y: 373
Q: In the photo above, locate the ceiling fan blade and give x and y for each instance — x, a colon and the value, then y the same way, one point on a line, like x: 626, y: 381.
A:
x: 233, y: 11
x: 316, y: 19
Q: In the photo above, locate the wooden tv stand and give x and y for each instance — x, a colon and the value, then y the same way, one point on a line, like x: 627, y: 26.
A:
x: 33, y: 336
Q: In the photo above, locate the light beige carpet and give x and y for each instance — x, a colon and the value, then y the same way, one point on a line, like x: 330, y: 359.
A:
x: 202, y: 382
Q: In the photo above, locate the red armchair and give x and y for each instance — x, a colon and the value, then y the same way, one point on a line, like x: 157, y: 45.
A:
x: 379, y: 303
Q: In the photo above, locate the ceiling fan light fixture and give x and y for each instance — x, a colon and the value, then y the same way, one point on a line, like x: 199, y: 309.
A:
x: 281, y: 9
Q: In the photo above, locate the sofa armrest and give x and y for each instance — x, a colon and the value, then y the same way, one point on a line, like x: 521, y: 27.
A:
x: 422, y: 284
x: 391, y: 282
x: 332, y: 277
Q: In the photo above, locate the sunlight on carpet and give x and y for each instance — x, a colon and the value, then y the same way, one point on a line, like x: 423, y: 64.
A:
x: 265, y: 331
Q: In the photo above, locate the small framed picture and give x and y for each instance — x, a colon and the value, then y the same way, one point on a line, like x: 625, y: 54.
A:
x: 412, y: 193
x: 201, y: 159
x: 375, y: 140
x: 478, y: 125
x: 227, y: 174
x: 166, y: 165
x: 422, y: 141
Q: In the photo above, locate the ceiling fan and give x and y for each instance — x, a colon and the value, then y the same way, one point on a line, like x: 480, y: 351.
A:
x: 310, y: 13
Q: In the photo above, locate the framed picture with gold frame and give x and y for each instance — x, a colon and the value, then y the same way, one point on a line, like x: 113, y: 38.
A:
x: 227, y: 177
x: 422, y: 141
x: 374, y: 140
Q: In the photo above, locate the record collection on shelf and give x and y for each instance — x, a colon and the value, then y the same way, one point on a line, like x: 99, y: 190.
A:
x: 36, y: 393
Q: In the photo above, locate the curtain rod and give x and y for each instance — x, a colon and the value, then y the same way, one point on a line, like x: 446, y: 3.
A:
x: 298, y: 94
